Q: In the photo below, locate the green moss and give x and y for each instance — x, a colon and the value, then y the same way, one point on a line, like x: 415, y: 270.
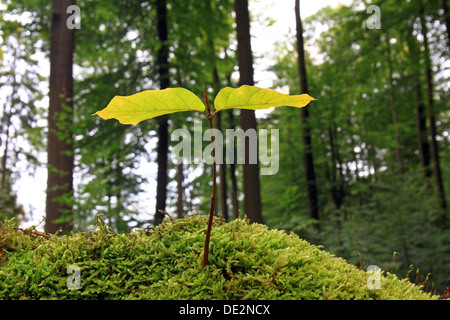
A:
x: 247, y: 261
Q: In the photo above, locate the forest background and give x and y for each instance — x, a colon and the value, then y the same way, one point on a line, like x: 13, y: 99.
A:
x: 379, y: 132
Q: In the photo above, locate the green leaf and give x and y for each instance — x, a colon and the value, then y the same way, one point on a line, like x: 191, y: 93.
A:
x: 250, y: 97
x: 150, y: 104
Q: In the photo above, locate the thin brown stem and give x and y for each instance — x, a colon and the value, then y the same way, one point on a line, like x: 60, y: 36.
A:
x: 209, y: 116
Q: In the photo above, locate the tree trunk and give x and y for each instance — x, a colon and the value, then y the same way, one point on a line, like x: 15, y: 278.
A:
x: 432, y: 122
x: 252, y: 193
x: 393, y: 108
x: 233, y: 180
x: 163, y: 126
x: 337, y: 187
x: 446, y: 20
x: 356, y: 159
x: 222, y: 174
x: 4, y: 170
x: 421, y: 117
x: 337, y: 176
x: 372, y: 162
x: 421, y: 127
x: 180, y: 190
x: 7, y: 114
x: 218, y: 119
x: 234, y: 188
x: 60, y: 117
x: 306, y: 131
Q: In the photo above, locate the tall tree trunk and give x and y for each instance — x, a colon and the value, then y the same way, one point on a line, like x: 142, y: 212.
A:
x: 306, y: 131
x: 356, y: 159
x: 431, y: 119
x: 234, y: 187
x: 393, y: 107
x: 337, y: 187
x: 4, y: 170
x: 233, y: 180
x: 421, y: 128
x: 7, y: 114
x: 218, y: 117
x: 337, y: 176
x: 372, y: 163
x: 222, y: 174
x: 419, y: 106
x: 60, y: 117
x: 252, y: 189
x: 163, y: 125
x: 446, y: 20
x: 180, y: 190
x: 222, y: 166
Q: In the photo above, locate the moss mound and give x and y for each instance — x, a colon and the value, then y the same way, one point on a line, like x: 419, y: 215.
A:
x: 247, y: 261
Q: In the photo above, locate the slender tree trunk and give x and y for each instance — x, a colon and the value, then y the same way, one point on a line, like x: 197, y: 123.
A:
x: 353, y: 143
x: 233, y: 179
x: 163, y: 126
x: 337, y: 188
x: 60, y: 115
x: 446, y: 20
x: 180, y: 190
x: 7, y: 114
x: 306, y: 131
x: 222, y: 174
x: 218, y: 120
x: 431, y: 119
x: 252, y: 193
x: 372, y: 162
x: 393, y: 107
x: 4, y: 169
x: 421, y: 127
x: 419, y: 106
x: 337, y: 173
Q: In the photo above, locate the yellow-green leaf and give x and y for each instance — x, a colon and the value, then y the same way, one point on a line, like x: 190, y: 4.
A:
x: 150, y: 104
x: 250, y: 97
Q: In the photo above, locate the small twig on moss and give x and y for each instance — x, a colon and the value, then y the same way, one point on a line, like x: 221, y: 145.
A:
x: 166, y: 214
x: 32, y: 232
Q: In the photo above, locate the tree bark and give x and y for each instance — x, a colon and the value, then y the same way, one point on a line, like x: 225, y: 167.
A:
x: 434, y: 149
x: 163, y: 126
x: 252, y: 193
x: 306, y: 131
x: 60, y: 117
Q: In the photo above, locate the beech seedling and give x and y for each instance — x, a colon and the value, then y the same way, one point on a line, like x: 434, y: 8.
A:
x: 153, y: 103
